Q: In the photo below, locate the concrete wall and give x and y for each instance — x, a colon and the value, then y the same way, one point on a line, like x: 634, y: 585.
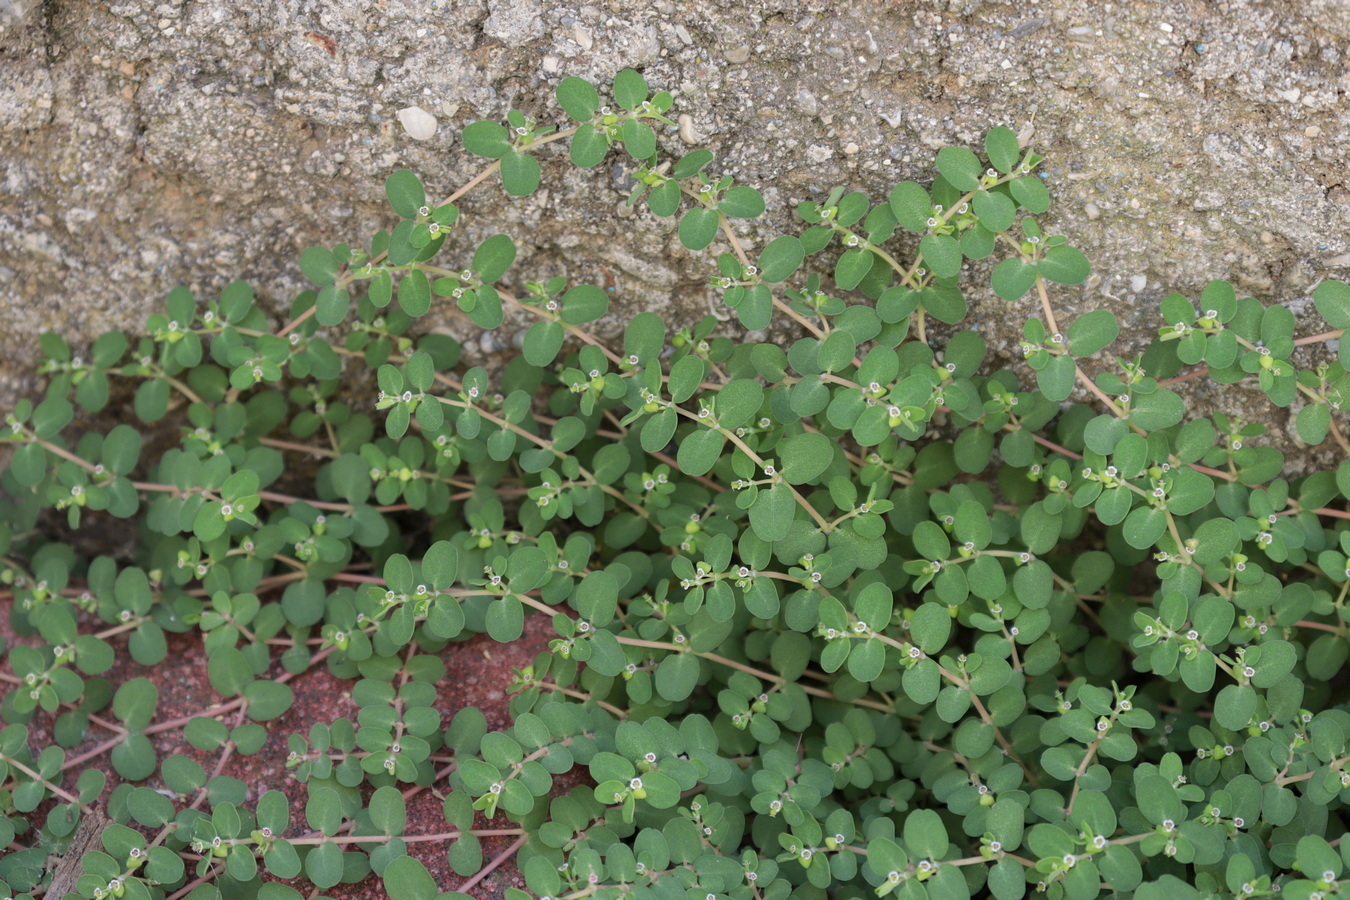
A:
x: 149, y: 144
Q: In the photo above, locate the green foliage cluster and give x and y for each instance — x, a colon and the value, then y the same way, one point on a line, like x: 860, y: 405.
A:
x: 849, y: 616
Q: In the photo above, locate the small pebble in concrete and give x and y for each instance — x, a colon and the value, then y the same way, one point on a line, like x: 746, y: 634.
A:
x: 417, y: 122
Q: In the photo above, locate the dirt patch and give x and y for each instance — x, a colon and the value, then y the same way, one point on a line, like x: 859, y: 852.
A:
x: 478, y: 672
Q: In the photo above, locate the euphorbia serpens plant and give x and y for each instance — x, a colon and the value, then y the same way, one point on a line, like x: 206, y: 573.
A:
x: 845, y: 612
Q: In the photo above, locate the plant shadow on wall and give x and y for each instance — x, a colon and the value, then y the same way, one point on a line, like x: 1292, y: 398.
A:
x: 794, y: 637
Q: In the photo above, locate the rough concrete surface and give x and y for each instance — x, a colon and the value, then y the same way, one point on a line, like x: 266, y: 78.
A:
x: 146, y: 144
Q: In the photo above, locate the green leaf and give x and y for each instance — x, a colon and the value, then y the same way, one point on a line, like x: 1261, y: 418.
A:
x: 164, y: 865
x: 520, y: 174
x: 960, y: 167
x: 388, y: 811
x: 941, y: 254
x: 922, y: 682
x: 739, y: 400
x: 182, y: 775
x: 663, y: 792
x: 1092, y: 332
x: 1064, y: 265
x: 119, y: 840
x: 405, y: 192
x: 1056, y: 380
x: 1012, y: 278
x: 414, y: 294
x: 505, y: 620
x: 267, y: 700
x: 420, y: 371
x: 273, y: 811
x: 152, y: 400
x: 912, y: 206
x: 578, y: 98
x: 664, y: 200
x: 677, y: 676
x: 691, y: 164
x: 925, y: 834
x: 994, y: 210
x: 1144, y: 526
x: 1040, y: 528
x: 836, y: 352
x: 639, y: 139
x: 781, y: 258
x: 225, y: 819
x: 852, y: 267
x: 630, y: 89
x: 148, y: 807
x: 381, y: 290
x: 1332, y: 299
x: 866, y: 660
x: 658, y: 430
x: 805, y: 457
x: 52, y: 415
x: 1198, y: 671
x: 542, y: 343
x: 323, y: 811
x: 698, y: 227
x: 1235, y: 707
x: 134, y: 703
x: 405, y: 878
x: 1031, y: 193
x: 978, y: 242
x: 28, y: 465
x: 1195, y: 438
x: 134, y: 759
x: 772, y: 515
x: 236, y: 299
x: 205, y: 734
x: 1313, y: 422
x: 319, y: 265
x: 742, y: 202
x: 1277, y: 660
x: 323, y: 865
x: 583, y: 304
x: 241, y: 864
x: 228, y: 671
x: 1007, y: 880
x: 490, y: 140
x: 332, y: 304
x: 1160, y: 409
x: 685, y: 377
x: 699, y: 452
x: 494, y: 256
x: 588, y: 148
x: 121, y: 449
x: 1212, y: 618
x: 1000, y: 145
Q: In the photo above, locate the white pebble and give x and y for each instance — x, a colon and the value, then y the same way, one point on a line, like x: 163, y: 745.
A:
x: 1138, y: 283
x: 687, y: 132
x: 419, y: 123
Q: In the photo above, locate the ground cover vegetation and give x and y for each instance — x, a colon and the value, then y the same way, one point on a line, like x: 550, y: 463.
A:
x: 850, y: 615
